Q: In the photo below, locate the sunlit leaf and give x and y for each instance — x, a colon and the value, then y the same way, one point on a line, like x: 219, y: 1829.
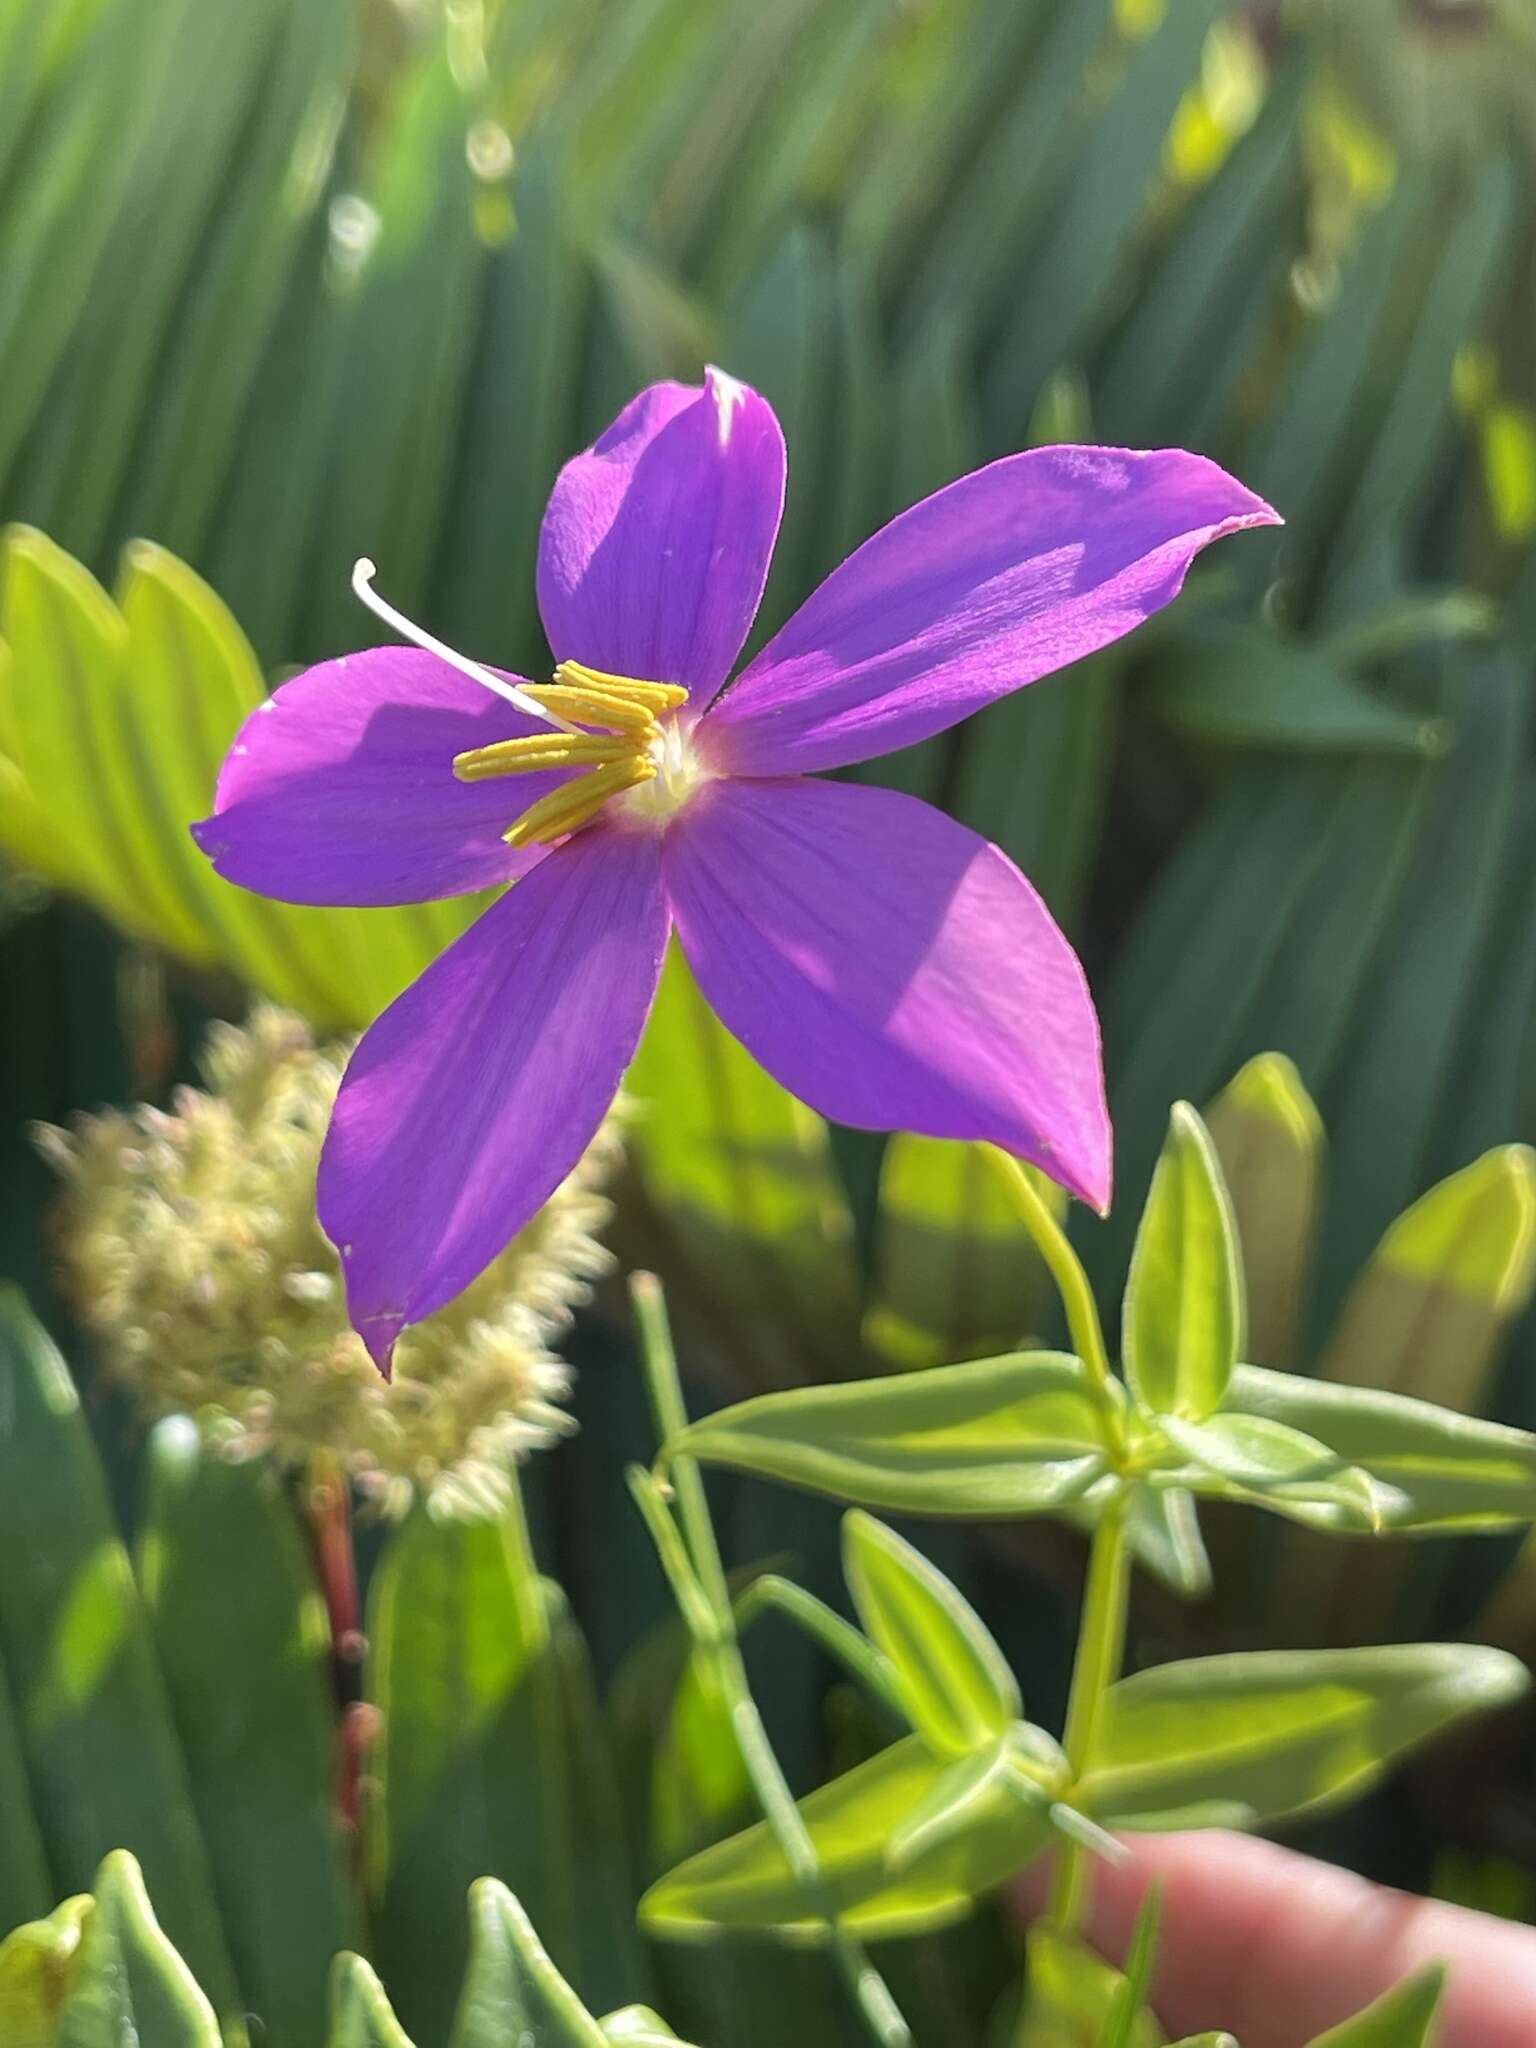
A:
x: 361, y: 2014
x: 128, y: 1984
x: 1403, y: 2018
x: 1255, y: 1736
x: 954, y: 1680
x: 1003, y: 1436
x: 38, y: 1963
x: 1183, y: 1320
x: 1269, y: 1139
x: 747, y: 1883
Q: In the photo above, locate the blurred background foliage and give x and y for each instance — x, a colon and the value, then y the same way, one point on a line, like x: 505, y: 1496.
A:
x: 303, y: 279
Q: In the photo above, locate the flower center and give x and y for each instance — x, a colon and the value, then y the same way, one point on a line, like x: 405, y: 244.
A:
x: 624, y: 735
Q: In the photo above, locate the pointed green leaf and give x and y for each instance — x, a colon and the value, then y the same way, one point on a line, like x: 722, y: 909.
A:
x: 747, y: 1883
x: 512, y: 1990
x: 38, y: 1964
x: 1404, y: 2018
x: 1252, y: 1737
x: 1439, y: 1471
x: 1270, y: 1141
x: 1130, y: 2000
x: 1164, y: 1533
x: 1183, y: 1318
x: 955, y: 1682
x: 1071, y: 1995
x: 361, y: 2015
x: 470, y: 1673
x: 129, y: 1984
x: 102, y: 1757
x: 1252, y: 1458
x: 251, y: 1695
x: 1240, y: 685
x: 1004, y: 1436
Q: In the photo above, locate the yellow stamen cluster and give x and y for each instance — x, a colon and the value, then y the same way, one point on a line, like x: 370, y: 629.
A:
x: 622, y: 754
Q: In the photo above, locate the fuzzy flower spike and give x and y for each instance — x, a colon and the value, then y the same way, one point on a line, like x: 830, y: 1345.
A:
x: 891, y: 968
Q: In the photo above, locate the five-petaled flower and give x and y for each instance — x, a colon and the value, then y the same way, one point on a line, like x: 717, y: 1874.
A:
x: 891, y: 968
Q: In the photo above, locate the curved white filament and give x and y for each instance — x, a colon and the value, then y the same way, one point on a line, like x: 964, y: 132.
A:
x: 363, y: 573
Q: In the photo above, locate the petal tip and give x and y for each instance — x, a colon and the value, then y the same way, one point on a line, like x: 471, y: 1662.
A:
x: 380, y: 1334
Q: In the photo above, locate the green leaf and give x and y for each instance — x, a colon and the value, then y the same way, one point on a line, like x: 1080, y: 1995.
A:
x: 747, y: 1883
x: 512, y: 1991
x: 472, y: 1676
x: 102, y: 1759
x: 636, y: 2026
x: 1004, y: 1436
x: 1072, y: 1995
x: 1134, y: 1992
x: 1270, y: 1142
x: 954, y: 1681
x: 1404, y: 2018
x: 1164, y: 1534
x: 38, y: 1964
x: 1254, y: 1737
x: 1439, y: 1471
x: 954, y: 1274
x: 129, y: 1984
x: 1253, y: 1458
x: 251, y: 1694
x: 361, y: 2015
x: 1183, y: 1317
x: 741, y: 1177
x: 26, y: 1888
x: 965, y: 1789
x: 1240, y: 686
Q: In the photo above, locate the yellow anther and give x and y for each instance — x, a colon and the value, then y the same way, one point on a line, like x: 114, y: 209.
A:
x: 593, y: 707
x: 655, y: 697
x: 574, y: 803
x: 540, y: 750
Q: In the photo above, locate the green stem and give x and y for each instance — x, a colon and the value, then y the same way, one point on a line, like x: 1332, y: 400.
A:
x: 1071, y: 1283
x: 1100, y: 1653
x: 867, y: 1988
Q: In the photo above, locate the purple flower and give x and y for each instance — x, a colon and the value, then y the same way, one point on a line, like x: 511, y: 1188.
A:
x: 890, y: 967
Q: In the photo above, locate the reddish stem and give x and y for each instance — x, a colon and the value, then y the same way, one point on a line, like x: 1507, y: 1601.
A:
x: 330, y: 1528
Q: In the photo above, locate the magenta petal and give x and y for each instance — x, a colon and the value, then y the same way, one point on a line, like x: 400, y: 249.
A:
x: 476, y: 1092
x: 991, y: 583
x: 340, y: 788
x: 656, y: 543
x: 892, y: 969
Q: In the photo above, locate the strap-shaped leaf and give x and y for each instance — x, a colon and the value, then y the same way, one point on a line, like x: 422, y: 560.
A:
x: 1183, y: 1319
x: 1250, y: 1457
x: 263, y: 1778
x: 955, y: 1681
x: 1270, y: 1141
x: 1442, y: 1471
x: 361, y: 2014
x: 746, y: 1882
x: 38, y: 1962
x: 1404, y: 2018
x: 129, y: 1984
x: 1252, y: 1737
x: 1004, y: 1436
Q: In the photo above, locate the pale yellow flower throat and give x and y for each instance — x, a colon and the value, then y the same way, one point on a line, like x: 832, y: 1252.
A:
x: 631, y: 747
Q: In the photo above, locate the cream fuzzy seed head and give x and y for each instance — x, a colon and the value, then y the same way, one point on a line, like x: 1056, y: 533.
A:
x: 191, y: 1246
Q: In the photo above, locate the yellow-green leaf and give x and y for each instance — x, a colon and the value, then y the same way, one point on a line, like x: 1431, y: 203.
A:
x: 1253, y: 1737
x: 954, y: 1680
x: 747, y: 1883
x: 1183, y: 1319
x: 1270, y: 1141
x: 1002, y: 1436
